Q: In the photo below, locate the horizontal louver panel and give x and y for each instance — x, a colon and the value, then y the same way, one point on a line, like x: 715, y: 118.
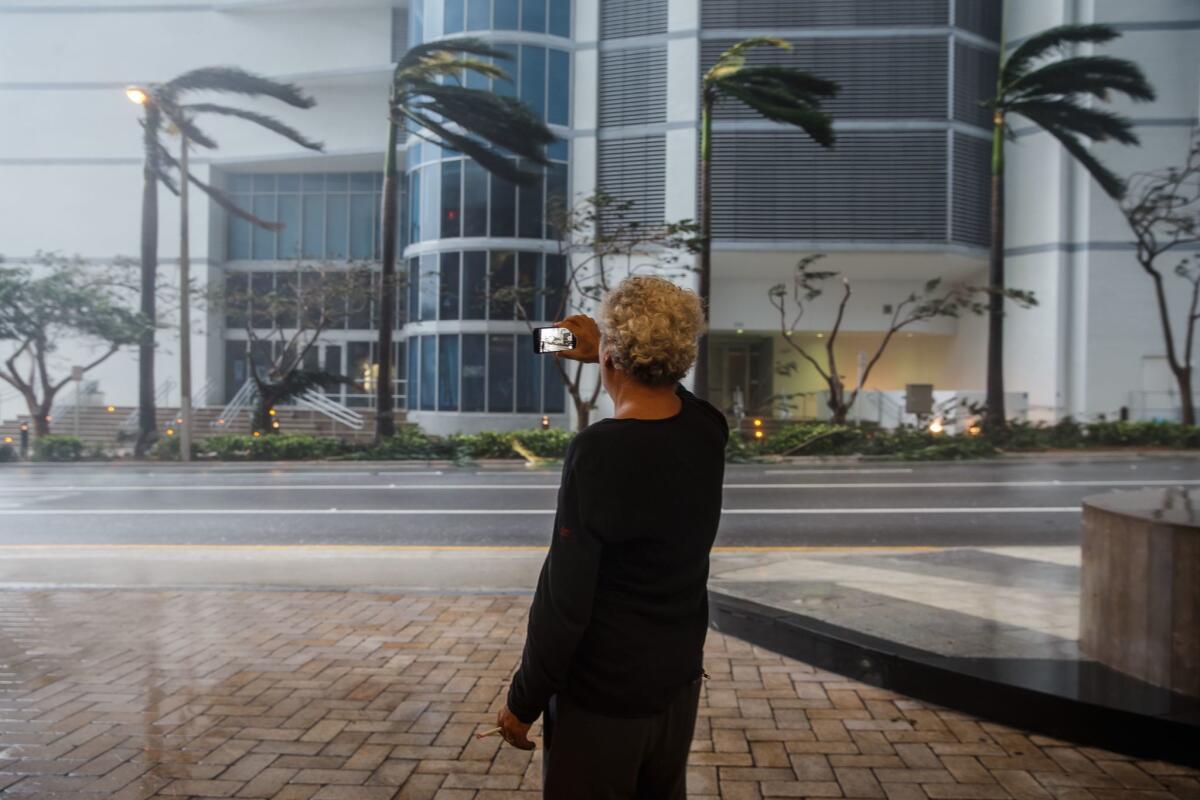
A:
x: 775, y: 14
x: 972, y: 191
x: 974, y: 80
x: 981, y: 17
x: 887, y: 186
x: 878, y: 78
x: 620, y: 19
x: 633, y: 87
x: 635, y: 170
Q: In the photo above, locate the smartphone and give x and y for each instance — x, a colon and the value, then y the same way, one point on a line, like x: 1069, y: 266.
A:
x: 553, y: 340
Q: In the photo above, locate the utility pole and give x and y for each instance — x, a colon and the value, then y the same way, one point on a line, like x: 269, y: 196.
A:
x: 185, y: 317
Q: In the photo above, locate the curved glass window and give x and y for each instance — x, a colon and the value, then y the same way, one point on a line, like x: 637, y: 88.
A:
x: 496, y: 373
x: 534, y: 16
x: 457, y: 198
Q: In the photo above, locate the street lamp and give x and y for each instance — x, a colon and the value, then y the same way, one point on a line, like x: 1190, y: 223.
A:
x: 137, y: 94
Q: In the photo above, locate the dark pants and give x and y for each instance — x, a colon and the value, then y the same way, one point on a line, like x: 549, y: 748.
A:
x: 589, y: 756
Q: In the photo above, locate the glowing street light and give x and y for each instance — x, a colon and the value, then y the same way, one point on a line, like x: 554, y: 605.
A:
x: 137, y: 95
x: 936, y: 427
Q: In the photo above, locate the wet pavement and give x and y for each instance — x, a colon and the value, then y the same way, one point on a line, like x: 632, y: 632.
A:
x: 299, y: 695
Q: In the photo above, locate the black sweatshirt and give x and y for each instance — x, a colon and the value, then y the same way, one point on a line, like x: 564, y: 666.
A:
x: 621, y: 610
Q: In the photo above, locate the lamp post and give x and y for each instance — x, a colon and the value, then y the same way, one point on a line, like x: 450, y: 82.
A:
x: 141, y: 97
x: 147, y: 416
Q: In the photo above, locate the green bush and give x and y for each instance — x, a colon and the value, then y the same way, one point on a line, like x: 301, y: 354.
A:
x: 409, y: 443
x: 8, y: 453
x: 952, y: 448
x: 58, y: 448
x: 549, y: 443
x: 275, y: 447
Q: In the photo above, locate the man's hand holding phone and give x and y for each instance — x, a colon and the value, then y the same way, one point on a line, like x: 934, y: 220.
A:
x: 587, y: 339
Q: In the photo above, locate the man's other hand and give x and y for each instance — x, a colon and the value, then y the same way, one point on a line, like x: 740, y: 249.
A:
x: 587, y: 339
x: 513, y: 730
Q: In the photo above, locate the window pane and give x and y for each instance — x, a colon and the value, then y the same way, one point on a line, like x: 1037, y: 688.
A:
x: 264, y: 240
x: 500, y: 373
x: 448, y: 302
x: 475, y: 198
x: 429, y: 206
x: 479, y: 15
x: 261, y: 289
x: 314, y: 226
x: 361, y: 219
x: 447, y: 373
x: 333, y: 365
x: 359, y: 302
x: 507, y: 12
x: 477, y: 80
x: 414, y: 206
x: 558, y: 150
x: 264, y: 183
x: 452, y: 21
x: 560, y: 17
x: 335, y: 227
x: 414, y: 289
x: 504, y: 207
x: 558, y: 104
x: 500, y: 285
x: 555, y: 286
x: 429, y: 287
x: 314, y: 182
x: 512, y: 66
x: 414, y: 361
x: 533, y: 79
x: 428, y: 372
x: 531, y: 211
x: 473, y: 373
x: 241, y: 183
x: 529, y: 376
x: 362, y: 372
x: 288, y: 183
x: 533, y: 15
x: 237, y: 284
x: 451, y: 199
x: 337, y: 181
x: 527, y: 284
x: 475, y: 285
x: 286, y: 284
x: 239, y: 231
x: 553, y: 391
x: 556, y: 191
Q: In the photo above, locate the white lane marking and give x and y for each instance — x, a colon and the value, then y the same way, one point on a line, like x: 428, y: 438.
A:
x: 549, y: 486
x: 408, y: 472
x: 878, y: 471
x: 451, y: 512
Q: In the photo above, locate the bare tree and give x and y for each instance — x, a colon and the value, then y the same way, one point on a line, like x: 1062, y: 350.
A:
x: 283, y: 328
x: 601, y: 242
x: 932, y: 301
x: 1162, y: 208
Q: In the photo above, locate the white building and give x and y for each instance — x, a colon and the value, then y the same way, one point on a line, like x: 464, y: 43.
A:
x: 901, y: 199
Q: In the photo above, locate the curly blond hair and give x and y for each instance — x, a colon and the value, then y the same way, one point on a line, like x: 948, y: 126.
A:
x: 651, y: 326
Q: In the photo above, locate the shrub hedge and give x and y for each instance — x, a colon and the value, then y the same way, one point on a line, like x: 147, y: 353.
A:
x: 58, y: 448
x: 7, y: 453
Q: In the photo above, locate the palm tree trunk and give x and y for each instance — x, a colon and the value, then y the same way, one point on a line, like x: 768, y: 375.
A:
x: 995, y: 416
x: 701, y: 371
x: 147, y: 414
x: 385, y: 420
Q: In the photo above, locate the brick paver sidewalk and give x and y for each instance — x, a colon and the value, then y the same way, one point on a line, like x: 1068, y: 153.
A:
x: 299, y: 695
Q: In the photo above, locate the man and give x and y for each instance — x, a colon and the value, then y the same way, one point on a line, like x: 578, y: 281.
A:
x: 614, y: 652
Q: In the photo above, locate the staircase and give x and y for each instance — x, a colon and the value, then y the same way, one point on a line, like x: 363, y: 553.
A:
x: 100, y: 426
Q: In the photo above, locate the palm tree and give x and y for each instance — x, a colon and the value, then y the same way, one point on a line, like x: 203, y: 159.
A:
x: 428, y: 96
x: 1053, y: 94
x: 163, y: 105
x: 781, y: 94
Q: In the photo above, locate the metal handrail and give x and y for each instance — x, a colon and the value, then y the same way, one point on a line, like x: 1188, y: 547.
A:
x: 322, y: 404
x: 235, y: 406
x: 130, y: 423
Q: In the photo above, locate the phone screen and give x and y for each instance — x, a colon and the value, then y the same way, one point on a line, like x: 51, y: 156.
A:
x: 553, y: 340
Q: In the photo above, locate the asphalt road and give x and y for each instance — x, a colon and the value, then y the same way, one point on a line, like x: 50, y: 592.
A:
x: 885, y: 504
